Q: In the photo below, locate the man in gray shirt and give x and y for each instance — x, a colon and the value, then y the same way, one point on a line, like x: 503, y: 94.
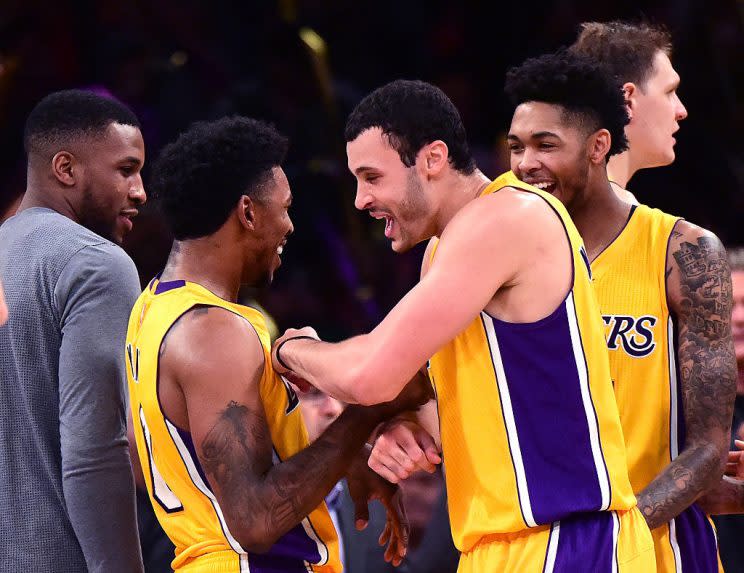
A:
x: 66, y: 487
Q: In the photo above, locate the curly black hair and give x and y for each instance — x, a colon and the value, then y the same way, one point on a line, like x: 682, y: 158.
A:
x: 586, y: 90
x: 412, y: 113
x: 198, y: 179
x: 66, y: 115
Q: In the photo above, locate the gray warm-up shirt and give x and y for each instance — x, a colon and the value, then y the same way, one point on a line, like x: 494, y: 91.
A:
x: 67, y: 499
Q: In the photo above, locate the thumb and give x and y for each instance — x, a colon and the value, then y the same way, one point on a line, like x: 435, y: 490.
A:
x: 361, y: 513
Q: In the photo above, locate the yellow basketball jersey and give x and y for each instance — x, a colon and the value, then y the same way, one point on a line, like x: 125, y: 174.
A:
x: 630, y: 282
x: 179, y: 490
x: 530, y: 428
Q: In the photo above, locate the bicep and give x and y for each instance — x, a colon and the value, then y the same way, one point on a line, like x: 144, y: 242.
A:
x: 217, y: 361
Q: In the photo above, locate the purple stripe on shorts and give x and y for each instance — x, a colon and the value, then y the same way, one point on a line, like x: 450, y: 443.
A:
x: 697, y: 541
x: 585, y: 543
x: 551, y: 422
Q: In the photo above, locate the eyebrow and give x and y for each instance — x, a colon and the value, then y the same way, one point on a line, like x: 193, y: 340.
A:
x: 134, y: 160
x: 536, y: 135
x: 362, y: 169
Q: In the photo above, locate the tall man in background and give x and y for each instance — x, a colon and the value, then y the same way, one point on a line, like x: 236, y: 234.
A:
x: 66, y: 488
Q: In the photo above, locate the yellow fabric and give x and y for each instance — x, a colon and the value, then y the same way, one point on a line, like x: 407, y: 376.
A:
x: 630, y: 282
x: 527, y: 551
x: 194, y: 520
x: 481, y: 480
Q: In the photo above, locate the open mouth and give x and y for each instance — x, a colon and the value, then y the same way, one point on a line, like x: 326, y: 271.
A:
x: 389, y: 222
x: 547, y: 186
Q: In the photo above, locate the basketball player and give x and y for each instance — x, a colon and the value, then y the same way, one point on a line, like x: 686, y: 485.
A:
x: 664, y: 290
x: 66, y: 488
x: 639, y: 57
x: 506, y: 313
x: 219, y: 435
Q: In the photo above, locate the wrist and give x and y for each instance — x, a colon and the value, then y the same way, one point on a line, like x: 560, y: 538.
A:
x: 277, y: 352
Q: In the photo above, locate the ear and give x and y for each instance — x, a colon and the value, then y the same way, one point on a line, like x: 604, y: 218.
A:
x: 246, y: 211
x: 599, y: 146
x: 630, y: 91
x: 435, y: 157
x: 66, y: 169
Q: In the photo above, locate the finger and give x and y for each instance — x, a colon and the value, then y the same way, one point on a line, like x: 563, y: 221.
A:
x: 382, y: 470
x: 734, y: 456
x: 739, y: 444
x: 361, y: 513
x: 433, y: 455
x: 385, y: 535
x: 380, y: 457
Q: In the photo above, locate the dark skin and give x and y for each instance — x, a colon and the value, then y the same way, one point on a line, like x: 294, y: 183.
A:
x: 227, y: 421
x: 698, y: 283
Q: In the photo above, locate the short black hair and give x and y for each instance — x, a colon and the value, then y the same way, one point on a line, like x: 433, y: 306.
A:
x: 586, y: 90
x: 412, y: 113
x: 628, y: 49
x: 65, y: 115
x: 198, y: 179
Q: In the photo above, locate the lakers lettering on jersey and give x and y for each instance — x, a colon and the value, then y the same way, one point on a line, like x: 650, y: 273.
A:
x: 531, y: 434
x: 178, y: 487
x: 630, y: 282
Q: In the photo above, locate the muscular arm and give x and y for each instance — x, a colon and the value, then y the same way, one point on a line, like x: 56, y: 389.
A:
x: 374, y: 367
x: 217, y: 361
x: 699, y: 292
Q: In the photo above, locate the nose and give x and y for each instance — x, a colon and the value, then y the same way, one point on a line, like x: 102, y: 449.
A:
x: 137, y: 191
x: 291, y: 227
x: 331, y: 408
x: 528, y: 161
x: 363, y: 199
x: 680, y: 111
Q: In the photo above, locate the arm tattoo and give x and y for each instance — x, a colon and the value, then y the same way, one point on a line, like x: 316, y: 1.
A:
x: 270, y: 499
x: 707, y: 368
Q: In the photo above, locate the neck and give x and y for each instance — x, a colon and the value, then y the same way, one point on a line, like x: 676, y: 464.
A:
x: 207, y: 262
x: 598, y: 213
x: 621, y: 167
x: 458, y: 190
x: 40, y: 193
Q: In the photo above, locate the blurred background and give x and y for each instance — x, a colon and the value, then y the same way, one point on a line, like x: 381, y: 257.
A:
x: 304, y: 65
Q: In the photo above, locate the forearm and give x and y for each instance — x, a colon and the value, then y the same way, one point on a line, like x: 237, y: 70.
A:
x: 263, y: 509
x: 695, y: 470
x: 99, y: 495
x: 726, y: 497
x: 346, y: 370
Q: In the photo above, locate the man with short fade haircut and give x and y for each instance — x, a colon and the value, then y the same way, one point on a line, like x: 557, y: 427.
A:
x: 66, y: 488
x: 219, y: 435
x: 664, y: 290
x: 506, y: 316
x: 639, y: 56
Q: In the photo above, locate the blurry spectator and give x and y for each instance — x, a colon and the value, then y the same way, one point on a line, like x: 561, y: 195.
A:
x: 66, y: 489
x: 360, y: 552
x: 731, y: 527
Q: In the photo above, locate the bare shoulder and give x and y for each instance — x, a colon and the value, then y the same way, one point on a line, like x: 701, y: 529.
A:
x: 210, y: 336
x: 697, y: 268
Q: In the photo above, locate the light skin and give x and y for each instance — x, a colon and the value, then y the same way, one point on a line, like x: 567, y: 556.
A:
x: 655, y: 111
x: 94, y: 180
x: 261, y: 501
x: 528, y: 280
x: 547, y: 150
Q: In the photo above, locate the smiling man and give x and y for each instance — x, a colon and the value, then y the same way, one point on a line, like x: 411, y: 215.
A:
x: 664, y: 289
x: 219, y: 434
x: 506, y: 312
x: 66, y: 489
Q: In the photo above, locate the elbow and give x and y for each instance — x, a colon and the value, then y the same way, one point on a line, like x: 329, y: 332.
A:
x: 253, y: 540
x: 370, y: 387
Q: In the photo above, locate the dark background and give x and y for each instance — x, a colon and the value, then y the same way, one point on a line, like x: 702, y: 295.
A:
x: 304, y: 65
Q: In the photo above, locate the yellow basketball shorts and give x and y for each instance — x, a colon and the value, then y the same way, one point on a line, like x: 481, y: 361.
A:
x: 608, y: 541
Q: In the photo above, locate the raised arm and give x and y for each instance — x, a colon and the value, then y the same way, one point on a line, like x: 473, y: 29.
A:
x: 217, y: 361
x: 374, y: 367
x: 699, y: 291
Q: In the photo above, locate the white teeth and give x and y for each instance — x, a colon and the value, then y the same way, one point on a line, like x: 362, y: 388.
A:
x: 279, y: 249
x: 542, y: 185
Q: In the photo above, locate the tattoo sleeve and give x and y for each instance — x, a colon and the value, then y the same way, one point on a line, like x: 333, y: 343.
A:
x: 699, y: 287
x: 267, y: 500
